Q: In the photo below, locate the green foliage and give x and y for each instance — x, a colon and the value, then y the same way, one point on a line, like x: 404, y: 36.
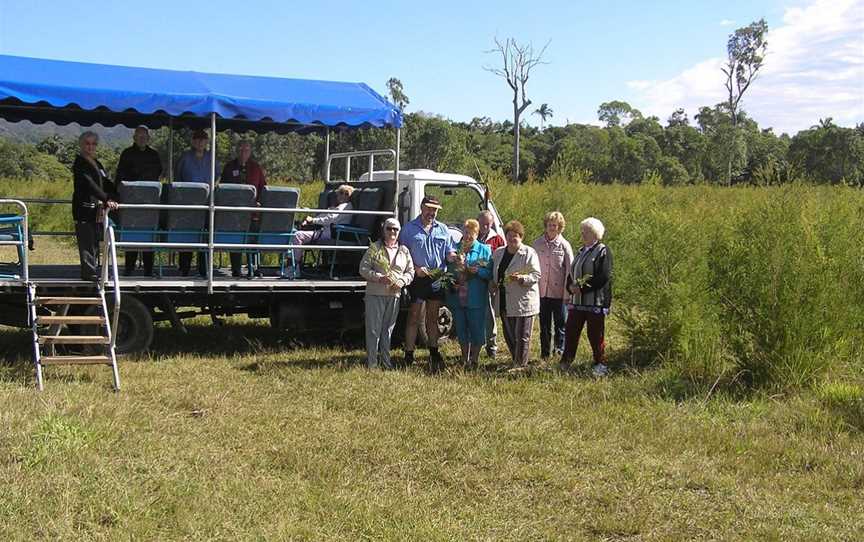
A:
x: 54, y: 439
x: 617, y: 113
x: 727, y: 289
x: 776, y: 298
x: 25, y: 162
x: 830, y: 154
x: 846, y: 400
x: 625, y: 152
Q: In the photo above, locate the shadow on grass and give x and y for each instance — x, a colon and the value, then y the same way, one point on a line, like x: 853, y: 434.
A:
x: 340, y: 363
x: 234, y: 339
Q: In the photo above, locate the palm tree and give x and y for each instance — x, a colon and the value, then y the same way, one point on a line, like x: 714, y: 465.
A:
x: 545, y: 113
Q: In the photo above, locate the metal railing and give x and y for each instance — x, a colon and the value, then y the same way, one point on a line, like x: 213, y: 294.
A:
x: 25, y: 236
x: 212, y: 246
x: 359, y: 154
x: 109, y: 254
x: 111, y: 245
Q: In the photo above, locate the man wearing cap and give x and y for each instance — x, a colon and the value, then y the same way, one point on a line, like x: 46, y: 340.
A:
x: 139, y: 163
x: 194, y: 167
x: 194, y: 164
x: 429, y: 242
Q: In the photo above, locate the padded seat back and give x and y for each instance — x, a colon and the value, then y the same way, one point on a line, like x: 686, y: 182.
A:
x: 366, y: 199
x: 231, y: 227
x: 277, y: 223
x: 327, y: 198
x: 139, y: 219
x: 189, y: 224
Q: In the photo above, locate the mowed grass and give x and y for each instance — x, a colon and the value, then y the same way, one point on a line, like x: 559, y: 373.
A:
x: 233, y: 433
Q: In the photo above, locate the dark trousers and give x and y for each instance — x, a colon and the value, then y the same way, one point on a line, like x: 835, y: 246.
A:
x: 551, y: 310
x: 87, y: 236
x: 184, y: 263
x: 576, y: 320
x: 517, y: 333
x: 237, y: 262
x: 251, y: 257
x: 132, y: 258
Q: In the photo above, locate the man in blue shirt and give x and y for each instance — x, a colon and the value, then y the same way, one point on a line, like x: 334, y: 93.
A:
x: 194, y: 167
x: 429, y: 242
x: 194, y: 164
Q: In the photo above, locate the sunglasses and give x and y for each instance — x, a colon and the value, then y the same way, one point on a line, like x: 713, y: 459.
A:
x: 391, y: 228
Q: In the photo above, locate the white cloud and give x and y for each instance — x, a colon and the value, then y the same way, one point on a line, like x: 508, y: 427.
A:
x: 814, y: 69
x: 727, y: 22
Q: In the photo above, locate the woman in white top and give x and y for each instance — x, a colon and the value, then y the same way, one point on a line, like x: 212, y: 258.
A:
x: 387, y: 268
x: 303, y: 237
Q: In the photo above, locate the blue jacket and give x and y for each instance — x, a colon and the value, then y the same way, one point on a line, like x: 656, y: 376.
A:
x: 478, y: 284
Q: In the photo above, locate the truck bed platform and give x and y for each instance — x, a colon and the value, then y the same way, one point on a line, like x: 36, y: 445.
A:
x: 63, y: 277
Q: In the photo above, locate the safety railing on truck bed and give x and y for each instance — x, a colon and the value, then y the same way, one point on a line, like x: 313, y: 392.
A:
x: 348, y: 156
x: 211, y: 246
x: 15, y: 231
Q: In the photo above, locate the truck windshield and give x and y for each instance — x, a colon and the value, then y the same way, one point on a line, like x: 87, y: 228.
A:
x: 459, y: 203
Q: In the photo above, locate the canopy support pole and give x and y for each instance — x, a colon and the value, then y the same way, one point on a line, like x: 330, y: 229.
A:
x: 212, y: 225
x: 326, y: 154
x: 396, y: 160
x: 170, y: 149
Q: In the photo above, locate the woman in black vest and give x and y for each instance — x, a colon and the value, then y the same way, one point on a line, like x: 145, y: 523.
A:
x: 91, y: 187
x: 590, y: 287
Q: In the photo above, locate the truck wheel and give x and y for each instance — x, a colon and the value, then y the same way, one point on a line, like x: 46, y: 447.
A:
x: 445, y: 322
x: 445, y: 325
x: 287, y: 316
x: 135, y: 323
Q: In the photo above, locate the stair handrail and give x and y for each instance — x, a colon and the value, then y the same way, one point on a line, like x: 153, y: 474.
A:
x: 109, y: 255
x: 25, y: 236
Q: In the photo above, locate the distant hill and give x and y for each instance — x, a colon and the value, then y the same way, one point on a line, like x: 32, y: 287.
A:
x: 27, y: 132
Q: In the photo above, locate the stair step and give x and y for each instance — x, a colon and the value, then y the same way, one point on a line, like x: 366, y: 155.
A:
x: 68, y: 301
x: 70, y: 319
x: 76, y: 360
x: 73, y: 339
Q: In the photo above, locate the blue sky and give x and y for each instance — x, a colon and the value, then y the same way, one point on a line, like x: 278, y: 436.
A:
x: 658, y: 55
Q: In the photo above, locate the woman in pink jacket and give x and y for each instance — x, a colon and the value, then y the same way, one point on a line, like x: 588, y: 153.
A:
x: 556, y: 257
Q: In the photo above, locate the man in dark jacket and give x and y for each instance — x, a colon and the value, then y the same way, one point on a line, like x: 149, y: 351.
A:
x: 139, y: 163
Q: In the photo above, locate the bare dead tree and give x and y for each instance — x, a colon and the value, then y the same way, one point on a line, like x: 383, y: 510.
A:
x: 517, y: 61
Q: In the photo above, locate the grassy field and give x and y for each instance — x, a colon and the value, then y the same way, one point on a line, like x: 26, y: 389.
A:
x: 237, y: 433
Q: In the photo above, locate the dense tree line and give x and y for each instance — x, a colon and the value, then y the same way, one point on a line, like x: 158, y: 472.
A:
x: 630, y: 148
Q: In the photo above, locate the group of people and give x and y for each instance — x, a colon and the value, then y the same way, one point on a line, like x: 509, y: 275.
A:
x: 485, y: 276
x: 95, y: 192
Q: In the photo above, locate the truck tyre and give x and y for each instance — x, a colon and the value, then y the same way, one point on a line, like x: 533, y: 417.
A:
x: 445, y: 325
x: 445, y: 322
x: 135, y: 323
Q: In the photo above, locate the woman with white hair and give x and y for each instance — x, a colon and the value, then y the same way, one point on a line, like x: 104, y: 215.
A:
x: 91, y: 196
x: 387, y: 267
x: 323, y: 222
x: 590, y: 287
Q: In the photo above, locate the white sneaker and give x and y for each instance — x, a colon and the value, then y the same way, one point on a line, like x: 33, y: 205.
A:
x: 600, y: 369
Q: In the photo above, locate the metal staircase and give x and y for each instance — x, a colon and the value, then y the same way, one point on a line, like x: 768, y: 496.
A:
x: 52, y: 324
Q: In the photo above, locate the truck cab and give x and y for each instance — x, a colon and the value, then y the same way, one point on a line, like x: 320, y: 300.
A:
x: 461, y: 196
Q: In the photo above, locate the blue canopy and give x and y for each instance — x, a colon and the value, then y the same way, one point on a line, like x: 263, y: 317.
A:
x: 62, y: 92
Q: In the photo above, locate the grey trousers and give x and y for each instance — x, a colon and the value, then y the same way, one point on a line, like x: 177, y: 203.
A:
x: 381, y: 313
x: 517, y: 333
x: 491, y: 329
